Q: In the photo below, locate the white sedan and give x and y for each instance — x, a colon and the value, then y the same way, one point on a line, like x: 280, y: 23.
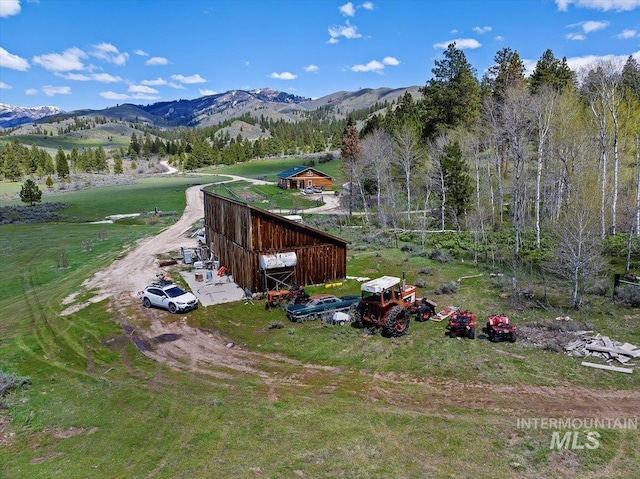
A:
x: 170, y: 297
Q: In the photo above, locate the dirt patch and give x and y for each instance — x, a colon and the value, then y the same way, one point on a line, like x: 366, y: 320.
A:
x: 553, y: 336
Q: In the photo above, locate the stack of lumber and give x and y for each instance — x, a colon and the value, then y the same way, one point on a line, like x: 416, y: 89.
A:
x: 446, y: 313
x: 602, y: 347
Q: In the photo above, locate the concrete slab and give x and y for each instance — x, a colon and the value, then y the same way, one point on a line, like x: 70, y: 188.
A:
x: 217, y: 290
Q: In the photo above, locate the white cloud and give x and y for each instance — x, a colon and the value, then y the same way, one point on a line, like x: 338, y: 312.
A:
x: 375, y: 65
x: 105, y: 78
x: 144, y: 96
x: 141, y: 89
x: 590, y: 26
x: 332, y: 41
x: 499, y: 38
x: 51, y: 90
x: 8, y: 60
x: 177, y: 86
x: 31, y: 91
x: 578, y: 63
x: 283, y: 76
x: 188, y: 80
x: 9, y: 7
x: 74, y: 76
x: 368, y: 6
x: 207, y: 92
x: 604, y: 5
x: 529, y: 66
x: 5, y: 86
x: 157, y: 82
x: 141, y: 53
x: 70, y: 59
x: 575, y: 36
x: 461, y: 43
x: 154, y: 61
x: 348, y: 31
x: 347, y: 9
x: 481, y: 30
x: 109, y: 53
x: 112, y: 95
x: 628, y: 33
x: 372, y: 66
x: 311, y: 68
x: 100, y: 77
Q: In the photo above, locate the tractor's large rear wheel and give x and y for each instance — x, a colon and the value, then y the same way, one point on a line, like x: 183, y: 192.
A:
x: 397, y: 323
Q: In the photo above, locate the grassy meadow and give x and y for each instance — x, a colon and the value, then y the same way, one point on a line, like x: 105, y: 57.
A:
x: 318, y: 401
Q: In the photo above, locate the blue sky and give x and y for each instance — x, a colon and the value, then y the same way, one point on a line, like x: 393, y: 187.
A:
x: 78, y: 54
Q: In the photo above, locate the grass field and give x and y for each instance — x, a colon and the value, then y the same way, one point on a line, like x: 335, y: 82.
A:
x: 270, y: 168
x: 316, y: 401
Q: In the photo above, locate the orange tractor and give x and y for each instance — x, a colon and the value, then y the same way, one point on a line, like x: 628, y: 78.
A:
x: 387, y: 304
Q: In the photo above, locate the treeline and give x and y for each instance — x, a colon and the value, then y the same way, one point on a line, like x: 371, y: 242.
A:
x: 18, y: 161
x: 555, y: 155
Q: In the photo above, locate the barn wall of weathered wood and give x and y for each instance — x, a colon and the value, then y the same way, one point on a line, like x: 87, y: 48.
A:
x: 239, y: 234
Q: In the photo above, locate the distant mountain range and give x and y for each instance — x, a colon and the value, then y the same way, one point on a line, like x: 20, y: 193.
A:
x: 11, y: 116
x: 213, y: 109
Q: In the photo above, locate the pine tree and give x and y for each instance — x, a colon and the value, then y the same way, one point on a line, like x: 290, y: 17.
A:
x: 452, y: 98
x: 552, y: 72
x: 62, y: 165
x: 30, y: 193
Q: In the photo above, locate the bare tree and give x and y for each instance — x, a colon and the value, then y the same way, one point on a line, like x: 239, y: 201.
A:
x: 543, y: 106
x: 516, y: 125
x: 601, y: 88
x: 376, y: 154
x: 408, y: 154
x: 577, y: 259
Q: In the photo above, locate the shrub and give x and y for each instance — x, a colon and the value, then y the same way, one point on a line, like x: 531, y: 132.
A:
x: 9, y: 382
x: 628, y: 295
x: 425, y: 270
x: 439, y: 256
x: 275, y: 324
x: 421, y: 283
x: 447, y: 288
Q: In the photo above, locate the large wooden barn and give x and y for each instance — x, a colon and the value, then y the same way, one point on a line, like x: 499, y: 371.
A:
x: 263, y: 250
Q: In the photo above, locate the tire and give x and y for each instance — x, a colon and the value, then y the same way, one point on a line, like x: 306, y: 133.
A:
x: 146, y: 303
x: 173, y: 308
x: 513, y: 337
x: 358, y: 319
x: 472, y: 333
x: 397, y: 323
x: 341, y: 322
x: 452, y: 334
x: 424, y: 314
x: 267, y: 306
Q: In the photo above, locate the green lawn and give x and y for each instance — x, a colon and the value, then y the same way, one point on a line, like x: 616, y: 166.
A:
x: 270, y: 168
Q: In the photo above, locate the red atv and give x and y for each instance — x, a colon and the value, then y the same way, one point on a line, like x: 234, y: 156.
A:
x: 499, y: 328
x: 462, y: 323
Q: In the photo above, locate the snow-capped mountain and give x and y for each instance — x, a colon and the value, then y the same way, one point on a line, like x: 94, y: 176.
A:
x: 11, y: 116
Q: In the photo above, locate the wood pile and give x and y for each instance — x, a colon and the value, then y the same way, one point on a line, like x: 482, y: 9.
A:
x: 603, y: 347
